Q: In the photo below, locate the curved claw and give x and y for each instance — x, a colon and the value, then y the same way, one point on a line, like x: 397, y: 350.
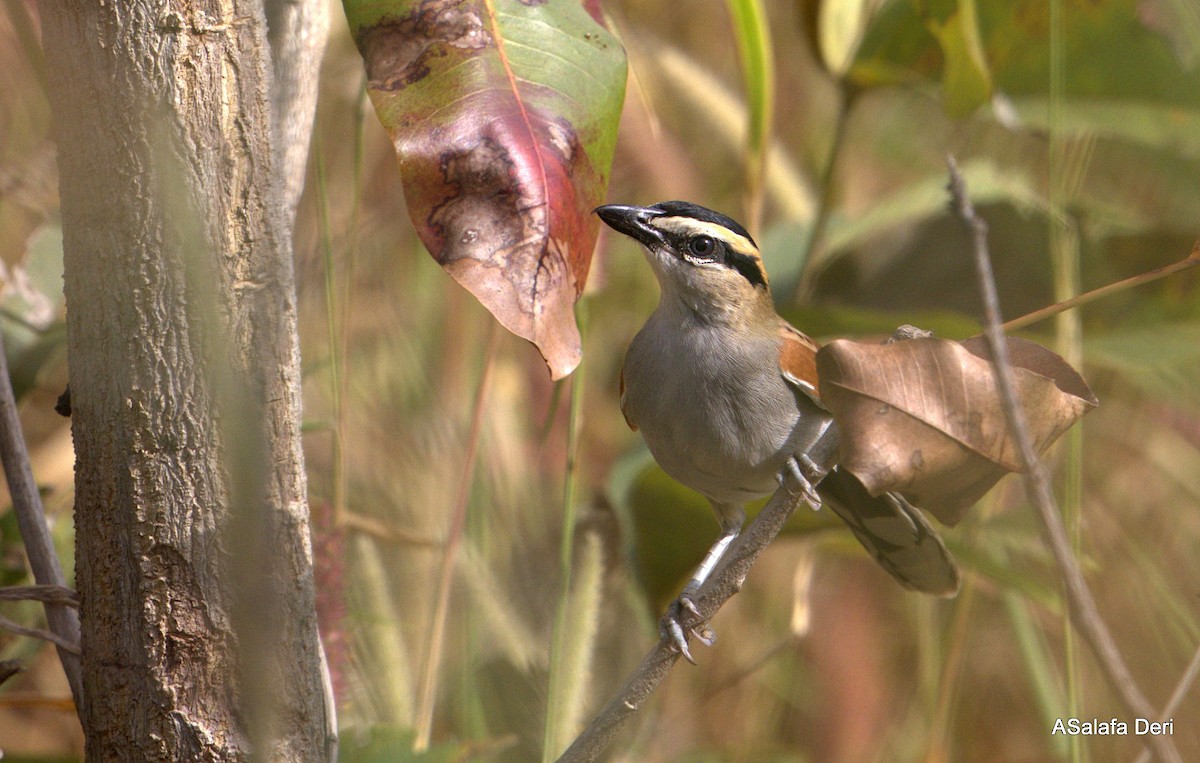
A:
x: 672, y: 631
x: 674, y: 634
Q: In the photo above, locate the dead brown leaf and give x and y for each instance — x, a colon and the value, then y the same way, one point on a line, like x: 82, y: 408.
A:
x: 923, y: 417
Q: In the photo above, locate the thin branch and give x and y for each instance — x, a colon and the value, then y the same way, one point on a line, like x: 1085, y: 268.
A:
x: 47, y: 594
x: 8, y: 669
x: 1191, y: 261
x: 35, y: 531
x: 1185, y: 685
x: 1084, y: 612
x: 23, y: 630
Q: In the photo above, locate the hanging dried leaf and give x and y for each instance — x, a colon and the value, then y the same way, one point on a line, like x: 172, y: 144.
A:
x: 923, y: 417
x: 504, y: 115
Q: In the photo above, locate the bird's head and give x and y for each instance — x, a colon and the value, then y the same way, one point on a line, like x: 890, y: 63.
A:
x: 703, y: 259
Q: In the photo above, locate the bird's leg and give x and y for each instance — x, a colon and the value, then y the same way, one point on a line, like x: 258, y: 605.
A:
x: 802, y: 467
x: 670, y: 627
x: 810, y: 465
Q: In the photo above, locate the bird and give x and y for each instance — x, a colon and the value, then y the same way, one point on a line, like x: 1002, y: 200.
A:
x: 725, y: 393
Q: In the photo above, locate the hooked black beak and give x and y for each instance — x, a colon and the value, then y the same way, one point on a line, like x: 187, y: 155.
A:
x: 633, y: 222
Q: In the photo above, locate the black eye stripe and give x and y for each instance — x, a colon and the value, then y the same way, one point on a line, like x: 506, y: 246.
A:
x: 747, y: 266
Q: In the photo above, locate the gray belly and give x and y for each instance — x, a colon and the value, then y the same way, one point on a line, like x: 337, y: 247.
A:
x: 727, y: 440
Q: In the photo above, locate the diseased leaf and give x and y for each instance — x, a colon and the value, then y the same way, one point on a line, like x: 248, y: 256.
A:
x: 503, y: 114
x: 923, y: 417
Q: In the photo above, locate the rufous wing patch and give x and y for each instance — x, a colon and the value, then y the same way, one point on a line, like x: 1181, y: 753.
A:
x: 798, y: 360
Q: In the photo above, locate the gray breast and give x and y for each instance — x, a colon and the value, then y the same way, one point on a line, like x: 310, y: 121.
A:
x: 714, y: 409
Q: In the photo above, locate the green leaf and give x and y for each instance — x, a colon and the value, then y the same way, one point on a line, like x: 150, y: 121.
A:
x: 972, y: 47
x: 1160, y: 126
x: 504, y: 115
x: 925, y: 199
x: 1108, y: 51
x: 897, y: 48
x: 966, y: 81
x: 25, y: 364
x: 840, y: 27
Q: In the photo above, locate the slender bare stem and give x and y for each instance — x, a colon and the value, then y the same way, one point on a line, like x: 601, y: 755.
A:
x: 1191, y: 261
x: 1181, y: 689
x: 1084, y: 612
x: 44, y: 635
x: 31, y: 519
x: 47, y: 594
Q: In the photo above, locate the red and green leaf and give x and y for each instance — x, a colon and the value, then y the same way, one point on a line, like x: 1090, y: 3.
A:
x: 504, y: 116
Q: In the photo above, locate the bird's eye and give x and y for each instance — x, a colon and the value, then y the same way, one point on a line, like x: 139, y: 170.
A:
x: 701, y: 246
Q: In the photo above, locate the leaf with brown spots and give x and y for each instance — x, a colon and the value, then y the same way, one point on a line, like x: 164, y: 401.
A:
x: 923, y: 417
x: 504, y: 116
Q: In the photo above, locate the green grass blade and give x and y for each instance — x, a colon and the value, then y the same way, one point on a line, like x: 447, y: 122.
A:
x: 562, y: 681
x: 753, y: 35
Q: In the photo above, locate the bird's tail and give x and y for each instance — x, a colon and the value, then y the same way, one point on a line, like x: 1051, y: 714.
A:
x: 896, y: 534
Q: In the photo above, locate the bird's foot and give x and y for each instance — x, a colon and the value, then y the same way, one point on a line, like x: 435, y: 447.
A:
x: 671, y: 629
x: 807, y: 473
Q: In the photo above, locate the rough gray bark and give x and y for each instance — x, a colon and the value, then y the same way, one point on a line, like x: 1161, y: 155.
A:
x: 193, y: 561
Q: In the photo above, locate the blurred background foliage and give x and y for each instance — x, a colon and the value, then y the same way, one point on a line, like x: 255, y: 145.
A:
x: 825, y: 126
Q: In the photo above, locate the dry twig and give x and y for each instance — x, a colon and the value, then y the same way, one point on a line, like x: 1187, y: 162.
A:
x: 1181, y: 690
x: 1084, y: 613
x: 22, y: 630
x: 1191, y: 261
x: 47, y: 594
x: 39, y: 546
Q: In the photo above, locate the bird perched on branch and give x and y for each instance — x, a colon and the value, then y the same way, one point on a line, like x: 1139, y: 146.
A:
x: 725, y: 393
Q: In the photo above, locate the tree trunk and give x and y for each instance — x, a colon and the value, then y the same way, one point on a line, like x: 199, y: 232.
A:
x: 193, y: 561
